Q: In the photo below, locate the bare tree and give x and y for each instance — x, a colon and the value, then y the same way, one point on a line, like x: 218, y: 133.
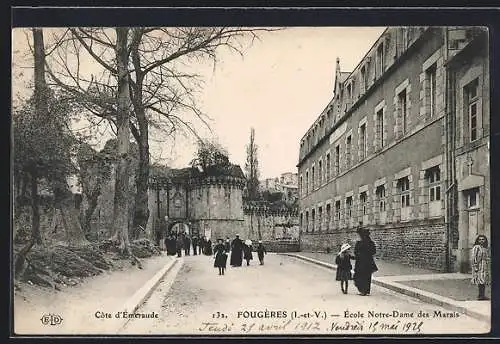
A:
x: 162, y: 87
x: 252, y: 168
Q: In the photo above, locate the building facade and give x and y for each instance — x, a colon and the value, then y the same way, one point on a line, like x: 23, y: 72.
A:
x: 388, y: 151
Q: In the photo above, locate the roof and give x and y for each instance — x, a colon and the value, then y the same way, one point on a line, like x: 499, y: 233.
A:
x: 213, y: 171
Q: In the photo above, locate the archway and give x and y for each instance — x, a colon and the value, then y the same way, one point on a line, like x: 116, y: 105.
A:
x: 180, y: 227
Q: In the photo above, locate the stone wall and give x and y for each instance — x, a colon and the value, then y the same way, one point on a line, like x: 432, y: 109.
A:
x: 271, y: 226
x: 281, y: 246
x: 419, y: 243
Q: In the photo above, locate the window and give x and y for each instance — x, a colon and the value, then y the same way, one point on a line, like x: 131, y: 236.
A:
x: 320, y: 173
x: 320, y: 218
x: 337, y: 210
x: 471, y: 197
x: 301, y: 223
x: 430, y: 90
x: 313, y: 219
x: 328, y: 217
x: 472, y: 102
x: 301, y: 186
x: 363, y: 203
x: 328, y: 167
x: 307, y: 182
x: 380, y: 193
x: 348, y: 145
x: 337, y: 159
x: 362, y: 142
x: 380, y: 129
x: 380, y: 60
x: 433, y: 177
x: 313, y: 179
x: 307, y: 221
x: 403, y: 111
x: 348, y: 207
x: 364, y: 79
x: 404, y: 190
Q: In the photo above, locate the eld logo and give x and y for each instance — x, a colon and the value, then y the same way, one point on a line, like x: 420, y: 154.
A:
x: 51, y: 319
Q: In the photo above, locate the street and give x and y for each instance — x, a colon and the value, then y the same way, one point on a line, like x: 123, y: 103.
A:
x: 285, y: 296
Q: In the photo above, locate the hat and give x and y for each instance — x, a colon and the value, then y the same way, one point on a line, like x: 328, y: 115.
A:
x: 260, y: 241
x: 248, y: 242
x: 344, y: 247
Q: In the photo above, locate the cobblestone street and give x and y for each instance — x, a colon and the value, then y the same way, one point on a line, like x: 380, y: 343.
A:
x: 194, y: 299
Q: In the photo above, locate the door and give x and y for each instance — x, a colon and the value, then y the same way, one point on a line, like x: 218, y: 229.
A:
x: 473, y: 233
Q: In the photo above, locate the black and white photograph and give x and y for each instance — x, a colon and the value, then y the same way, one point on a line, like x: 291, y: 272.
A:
x: 252, y: 181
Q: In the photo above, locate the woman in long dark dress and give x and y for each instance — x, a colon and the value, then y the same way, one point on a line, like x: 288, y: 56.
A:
x: 220, y: 256
x: 365, y: 266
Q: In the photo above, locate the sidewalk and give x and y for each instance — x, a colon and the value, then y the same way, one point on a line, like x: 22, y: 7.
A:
x: 82, y: 307
x: 449, y: 290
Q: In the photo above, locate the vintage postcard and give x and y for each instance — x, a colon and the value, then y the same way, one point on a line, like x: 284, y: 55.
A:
x: 215, y: 181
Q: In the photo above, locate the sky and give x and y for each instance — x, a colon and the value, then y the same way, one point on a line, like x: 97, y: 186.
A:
x: 279, y: 87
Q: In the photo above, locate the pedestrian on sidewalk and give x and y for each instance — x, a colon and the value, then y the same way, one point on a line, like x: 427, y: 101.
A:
x: 344, y: 266
x: 247, y: 251
x: 365, y: 266
x: 480, y: 266
x: 220, y: 256
x: 261, y: 250
x: 227, y: 245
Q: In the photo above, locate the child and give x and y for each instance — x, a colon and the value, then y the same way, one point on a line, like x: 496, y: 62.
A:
x: 220, y: 256
x: 480, y: 266
x: 261, y: 250
x: 343, y: 261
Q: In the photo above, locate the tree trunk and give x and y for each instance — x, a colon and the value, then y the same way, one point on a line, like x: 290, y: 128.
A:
x: 120, y: 208
x: 69, y: 214
x: 141, y: 213
x: 87, y: 216
x: 35, y: 210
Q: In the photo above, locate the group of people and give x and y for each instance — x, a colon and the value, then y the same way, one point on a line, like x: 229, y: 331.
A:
x: 365, y: 265
x: 175, y: 243
x: 239, y: 250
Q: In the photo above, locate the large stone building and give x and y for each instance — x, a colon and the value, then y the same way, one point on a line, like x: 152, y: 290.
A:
x: 207, y: 204
x: 211, y: 204
x: 402, y: 148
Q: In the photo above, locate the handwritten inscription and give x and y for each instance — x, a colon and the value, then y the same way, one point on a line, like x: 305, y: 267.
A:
x: 320, y: 321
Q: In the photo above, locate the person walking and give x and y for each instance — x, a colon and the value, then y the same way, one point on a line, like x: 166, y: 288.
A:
x: 480, y: 266
x: 236, y: 251
x: 364, y: 266
x: 261, y: 250
x: 344, y: 266
x: 247, y: 251
x: 227, y: 244
x: 187, y: 244
x: 194, y: 242
x: 179, y: 245
x: 220, y: 256
x: 209, y: 247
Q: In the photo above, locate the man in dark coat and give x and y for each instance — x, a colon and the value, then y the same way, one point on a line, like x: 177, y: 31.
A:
x: 187, y: 245
x: 227, y: 245
x: 236, y: 251
x: 179, y: 245
x: 365, y: 266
